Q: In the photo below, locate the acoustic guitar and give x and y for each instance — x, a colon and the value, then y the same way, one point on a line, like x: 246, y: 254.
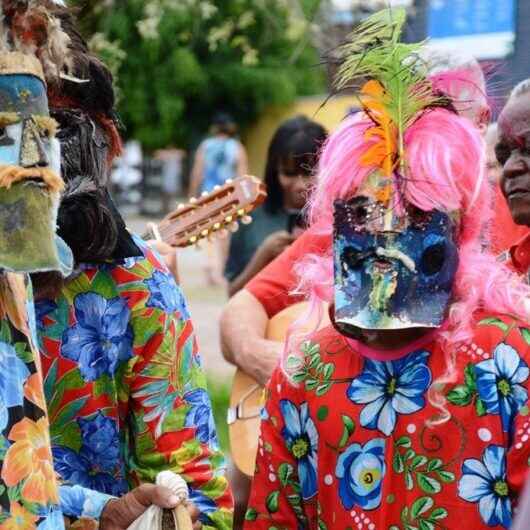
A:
x: 247, y: 396
x: 210, y: 214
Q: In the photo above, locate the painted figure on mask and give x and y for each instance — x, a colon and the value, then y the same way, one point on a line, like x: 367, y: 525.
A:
x: 394, y: 263
x: 30, y: 167
x: 411, y: 410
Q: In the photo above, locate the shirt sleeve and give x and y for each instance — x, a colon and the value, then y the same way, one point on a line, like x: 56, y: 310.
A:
x: 79, y: 502
x: 518, y: 456
x: 273, y: 284
x: 276, y: 498
x: 170, y: 416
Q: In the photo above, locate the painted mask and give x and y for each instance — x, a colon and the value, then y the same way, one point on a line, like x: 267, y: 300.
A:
x: 394, y: 267
x: 30, y: 162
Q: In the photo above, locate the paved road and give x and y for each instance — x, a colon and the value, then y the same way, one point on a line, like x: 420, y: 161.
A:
x: 205, y: 304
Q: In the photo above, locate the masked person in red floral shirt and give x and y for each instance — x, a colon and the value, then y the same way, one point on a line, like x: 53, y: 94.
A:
x: 411, y: 410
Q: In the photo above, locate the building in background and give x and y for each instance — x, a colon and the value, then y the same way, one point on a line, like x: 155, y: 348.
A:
x: 496, y: 32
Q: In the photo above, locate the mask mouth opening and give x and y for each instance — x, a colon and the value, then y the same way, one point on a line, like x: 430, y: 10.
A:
x: 383, y: 265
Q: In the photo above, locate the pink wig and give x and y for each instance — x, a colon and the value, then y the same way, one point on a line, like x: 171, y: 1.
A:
x: 445, y: 171
x: 466, y: 87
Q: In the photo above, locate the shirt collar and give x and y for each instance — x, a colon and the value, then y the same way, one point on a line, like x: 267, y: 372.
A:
x: 520, y: 254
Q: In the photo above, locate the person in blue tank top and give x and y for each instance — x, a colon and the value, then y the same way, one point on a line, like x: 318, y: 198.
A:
x: 219, y: 158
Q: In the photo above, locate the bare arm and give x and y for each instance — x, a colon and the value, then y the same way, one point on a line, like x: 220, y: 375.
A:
x: 197, y: 173
x: 242, y: 163
x: 243, y: 326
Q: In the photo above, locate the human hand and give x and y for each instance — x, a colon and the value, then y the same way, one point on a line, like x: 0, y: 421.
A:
x: 274, y: 245
x: 120, y: 513
x: 169, y: 255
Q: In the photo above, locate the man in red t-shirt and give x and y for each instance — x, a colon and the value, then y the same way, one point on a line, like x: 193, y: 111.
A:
x: 513, y: 153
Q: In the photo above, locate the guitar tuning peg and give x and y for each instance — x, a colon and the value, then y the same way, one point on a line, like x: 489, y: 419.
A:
x: 229, y: 219
x: 193, y: 200
x: 216, y: 187
x: 193, y: 239
x: 205, y: 232
x: 229, y: 181
x: 233, y: 227
x: 181, y: 206
x: 241, y: 212
x: 246, y: 219
x: 217, y: 226
x: 204, y: 194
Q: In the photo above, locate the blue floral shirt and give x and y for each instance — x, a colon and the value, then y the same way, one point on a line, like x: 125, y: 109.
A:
x: 125, y: 389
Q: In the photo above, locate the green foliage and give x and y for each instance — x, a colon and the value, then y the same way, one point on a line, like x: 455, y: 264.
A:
x: 178, y: 61
x: 220, y: 398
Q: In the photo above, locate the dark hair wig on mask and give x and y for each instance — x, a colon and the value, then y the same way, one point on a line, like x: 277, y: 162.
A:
x: 82, y: 102
x: 293, y: 148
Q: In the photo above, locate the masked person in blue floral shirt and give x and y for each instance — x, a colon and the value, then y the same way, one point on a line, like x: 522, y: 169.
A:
x: 125, y: 390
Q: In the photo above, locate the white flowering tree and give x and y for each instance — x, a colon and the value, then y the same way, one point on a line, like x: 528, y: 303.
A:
x: 178, y: 61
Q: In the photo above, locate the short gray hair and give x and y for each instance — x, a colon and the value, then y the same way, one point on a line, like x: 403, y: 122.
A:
x: 521, y: 88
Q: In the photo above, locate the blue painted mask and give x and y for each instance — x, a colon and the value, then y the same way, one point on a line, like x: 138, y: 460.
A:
x: 30, y: 164
x: 391, y: 271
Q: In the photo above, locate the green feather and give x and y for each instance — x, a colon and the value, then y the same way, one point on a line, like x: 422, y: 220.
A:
x: 374, y: 51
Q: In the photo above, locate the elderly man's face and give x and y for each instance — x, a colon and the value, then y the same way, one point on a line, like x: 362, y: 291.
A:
x: 513, y: 153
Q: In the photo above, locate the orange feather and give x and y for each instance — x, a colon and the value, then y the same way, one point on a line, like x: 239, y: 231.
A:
x: 383, y: 153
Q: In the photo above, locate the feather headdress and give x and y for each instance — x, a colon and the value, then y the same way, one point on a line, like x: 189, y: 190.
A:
x: 393, y: 83
x: 29, y: 27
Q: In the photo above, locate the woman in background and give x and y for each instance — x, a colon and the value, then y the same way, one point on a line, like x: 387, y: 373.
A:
x: 291, y: 158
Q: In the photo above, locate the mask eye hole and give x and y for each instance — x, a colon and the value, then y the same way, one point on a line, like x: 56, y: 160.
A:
x: 433, y: 259
x: 350, y: 258
x: 5, y: 139
x: 358, y: 211
x: 419, y: 218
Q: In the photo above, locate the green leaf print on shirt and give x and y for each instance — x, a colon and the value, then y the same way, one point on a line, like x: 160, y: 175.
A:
x: 422, y: 515
x: 467, y: 394
x: 428, y: 473
x: 315, y: 374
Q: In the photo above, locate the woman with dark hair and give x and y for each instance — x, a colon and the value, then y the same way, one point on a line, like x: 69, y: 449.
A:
x: 291, y: 158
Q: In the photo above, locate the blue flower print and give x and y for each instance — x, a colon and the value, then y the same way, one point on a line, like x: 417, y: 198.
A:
x: 301, y: 438
x: 13, y: 374
x: 499, y: 383
x: 54, y: 520
x: 200, y: 415
x: 94, y: 467
x: 165, y: 294
x: 42, y: 309
x: 361, y: 470
x: 101, y: 337
x: 100, y: 437
x: 391, y: 388
x: 484, y: 481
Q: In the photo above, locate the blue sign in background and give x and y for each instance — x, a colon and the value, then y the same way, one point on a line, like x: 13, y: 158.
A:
x: 456, y: 18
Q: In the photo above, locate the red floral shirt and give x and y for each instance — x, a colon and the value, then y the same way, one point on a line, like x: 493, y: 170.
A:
x: 348, y: 447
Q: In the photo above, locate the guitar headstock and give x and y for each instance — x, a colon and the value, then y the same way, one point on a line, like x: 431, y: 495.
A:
x: 212, y: 212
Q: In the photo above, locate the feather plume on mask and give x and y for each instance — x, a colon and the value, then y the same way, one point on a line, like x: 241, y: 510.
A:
x: 30, y: 27
x: 393, y: 83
